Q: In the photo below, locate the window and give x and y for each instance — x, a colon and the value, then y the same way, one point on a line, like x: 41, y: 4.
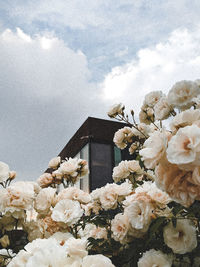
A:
x: 101, y: 164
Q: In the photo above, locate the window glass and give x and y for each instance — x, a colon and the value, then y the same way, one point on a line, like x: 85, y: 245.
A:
x: 101, y: 164
x: 117, y: 155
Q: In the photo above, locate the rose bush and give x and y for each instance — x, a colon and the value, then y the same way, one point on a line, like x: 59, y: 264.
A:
x: 149, y: 216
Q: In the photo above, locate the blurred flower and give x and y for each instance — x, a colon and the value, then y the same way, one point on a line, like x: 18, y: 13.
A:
x: 182, y: 238
x: 115, y: 110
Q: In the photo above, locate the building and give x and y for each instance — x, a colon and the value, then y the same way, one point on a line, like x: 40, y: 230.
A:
x: 93, y: 142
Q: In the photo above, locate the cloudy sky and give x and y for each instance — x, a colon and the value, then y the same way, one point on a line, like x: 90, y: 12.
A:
x: 64, y: 60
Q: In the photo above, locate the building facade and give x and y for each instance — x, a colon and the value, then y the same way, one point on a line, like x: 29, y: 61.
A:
x: 93, y: 142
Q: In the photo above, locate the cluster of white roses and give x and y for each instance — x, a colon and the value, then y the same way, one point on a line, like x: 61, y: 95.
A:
x: 169, y: 157
x: 67, y: 172
x: 59, y: 250
x: 149, y: 216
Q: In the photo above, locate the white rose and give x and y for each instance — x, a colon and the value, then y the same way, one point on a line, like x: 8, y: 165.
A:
x: 45, y: 199
x: 154, y: 149
x: 4, y: 172
x: 17, y: 197
x: 41, y: 252
x: 125, y: 168
x: 146, y: 115
x: 69, y: 167
x: 122, y: 137
x: 182, y: 93
x: 45, y: 179
x: 121, y: 171
x: 76, y: 248
x: 182, y: 238
x: 67, y: 211
x: 154, y: 258
x: 74, y: 193
x: 119, y: 227
x: 109, y: 197
x: 54, y: 162
x: 115, y: 110
x: 152, y: 98
x: 142, y: 130
x: 162, y: 109
x: 185, y: 118
x: 97, y: 260
x: 184, y: 148
x: 124, y: 189
x: 157, y: 195
x: 61, y: 237
x: 139, y: 214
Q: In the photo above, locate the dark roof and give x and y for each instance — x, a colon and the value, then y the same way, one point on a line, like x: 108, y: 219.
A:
x: 96, y: 130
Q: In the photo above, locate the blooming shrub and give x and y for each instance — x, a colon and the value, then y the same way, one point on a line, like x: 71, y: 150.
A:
x: 150, y: 214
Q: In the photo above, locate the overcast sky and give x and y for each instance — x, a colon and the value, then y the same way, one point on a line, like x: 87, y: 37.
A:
x: 64, y: 60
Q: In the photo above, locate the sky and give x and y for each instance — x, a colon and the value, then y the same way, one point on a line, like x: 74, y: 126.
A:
x: 62, y: 61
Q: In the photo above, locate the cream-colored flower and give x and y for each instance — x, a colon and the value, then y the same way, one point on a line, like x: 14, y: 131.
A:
x: 45, y: 199
x: 109, y: 197
x: 154, y: 149
x: 45, y: 179
x: 162, y: 109
x: 146, y: 115
x: 125, y: 168
x: 184, y: 148
x: 119, y: 227
x: 139, y: 214
x: 92, y: 207
x: 121, y: 171
x: 124, y: 189
x: 41, y: 252
x: 61, y: 237
x: 142, y: 130
x: 139, y: 196
x: 182, y: 238
x: 182, y: 93
x: 152, y: 98
x: 18, y: 197
x: 158, y: 196
x: 54, y: 162
x: 115, y: 110
x: 176, y: 183
x: 76, y: 248
x: 4, y: 172
x: 97, y: 260
x: 95, y: 194
x: 69, y: 167
x: 155, y: 258
x: 98, y: 232
x: 185, y: 118
x: 122, y: 137
x: 67, y: 211
x: 74, y: 193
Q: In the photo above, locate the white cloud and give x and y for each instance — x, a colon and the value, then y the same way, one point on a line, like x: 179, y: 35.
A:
x: 155, y: 68
x: 42, y: 65
x: 46, y: 94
